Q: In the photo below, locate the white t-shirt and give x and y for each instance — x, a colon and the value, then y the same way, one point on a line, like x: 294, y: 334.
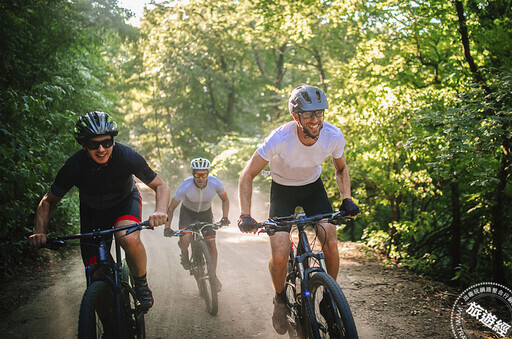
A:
x: 294, y: 164
x: 195, y: 198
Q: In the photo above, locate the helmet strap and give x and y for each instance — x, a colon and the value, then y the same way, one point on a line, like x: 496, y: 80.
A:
x: 306, y: 131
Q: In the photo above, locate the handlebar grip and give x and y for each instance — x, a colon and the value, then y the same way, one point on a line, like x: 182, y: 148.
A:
x: 54, y: 244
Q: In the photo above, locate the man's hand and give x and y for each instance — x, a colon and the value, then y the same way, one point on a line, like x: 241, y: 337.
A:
x: 349, y: 207
x: 157, y: 219
x: 168, y: 232
x: 225, y: 221
x: 246, y: 223
x: 37, y: 240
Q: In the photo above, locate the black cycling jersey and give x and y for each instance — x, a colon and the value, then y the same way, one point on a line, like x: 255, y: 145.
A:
x: 102, y: 186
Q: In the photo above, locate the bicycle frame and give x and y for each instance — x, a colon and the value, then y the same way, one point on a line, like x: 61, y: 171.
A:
x: 110, y: 268
x: 201, y: 265
x: 301, y: 256
x: 301, y: 261
x: 105, y: 260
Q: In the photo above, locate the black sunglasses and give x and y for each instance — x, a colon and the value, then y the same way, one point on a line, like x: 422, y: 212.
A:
x: 92, y: 145
x: 309, y: 114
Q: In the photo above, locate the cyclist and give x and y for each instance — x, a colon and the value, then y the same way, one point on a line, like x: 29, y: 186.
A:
x: 196, y: 193
x: 295, y: 151
x: 103, y: 171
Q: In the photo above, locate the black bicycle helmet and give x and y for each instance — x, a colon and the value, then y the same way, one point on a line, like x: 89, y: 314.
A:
x: 93, y: 124
x: 307, y: 98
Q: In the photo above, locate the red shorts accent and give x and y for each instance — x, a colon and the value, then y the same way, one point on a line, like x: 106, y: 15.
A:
x: 127, y: 217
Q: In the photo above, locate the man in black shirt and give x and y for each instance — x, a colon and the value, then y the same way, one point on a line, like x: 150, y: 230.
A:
x: 103, y: 172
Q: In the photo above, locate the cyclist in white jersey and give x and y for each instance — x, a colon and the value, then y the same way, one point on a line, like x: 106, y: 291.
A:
x: 295, y: 152
x: 195, y: 195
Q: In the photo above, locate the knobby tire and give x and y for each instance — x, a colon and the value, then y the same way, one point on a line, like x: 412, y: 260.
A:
x: 208, y: 281
x: 337, y: 321
x: 97, y: 297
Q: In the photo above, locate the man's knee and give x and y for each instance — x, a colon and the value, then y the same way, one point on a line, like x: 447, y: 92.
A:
x: 130, y: 242
x: 279, y: 259
x: 331, y: 242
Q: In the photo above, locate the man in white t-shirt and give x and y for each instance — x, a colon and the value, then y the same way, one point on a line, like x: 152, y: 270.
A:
x: 295, y: 152
x: 196, y: 194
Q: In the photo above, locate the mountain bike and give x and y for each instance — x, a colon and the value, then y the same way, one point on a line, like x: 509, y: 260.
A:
x: 317, y: 307
x: 109, y: 306
x: 201, y: 265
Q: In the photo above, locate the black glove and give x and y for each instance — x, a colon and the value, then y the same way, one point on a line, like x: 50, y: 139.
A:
x: 225, y: 221
x: 168, y: 232
x: 349, y: 207
x: 246, y: 223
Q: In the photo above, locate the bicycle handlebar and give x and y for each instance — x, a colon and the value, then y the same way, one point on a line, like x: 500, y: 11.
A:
x: 58, y: 242
x: 284, y: 224
x: 197, y: 227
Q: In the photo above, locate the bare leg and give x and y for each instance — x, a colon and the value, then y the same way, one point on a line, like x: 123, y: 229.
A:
x: 134, y: 249
x: 212, y: 248
x: 184, y: 242
x: 280, y: 247
x: 328, y: 238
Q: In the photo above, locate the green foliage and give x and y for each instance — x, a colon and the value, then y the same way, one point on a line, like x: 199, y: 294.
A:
x: 54, y: 68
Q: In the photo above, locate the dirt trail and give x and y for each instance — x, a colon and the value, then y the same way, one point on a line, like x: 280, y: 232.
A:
x: 386, y: 302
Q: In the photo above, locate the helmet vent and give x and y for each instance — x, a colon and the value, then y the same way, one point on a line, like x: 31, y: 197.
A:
x: 306, y: 97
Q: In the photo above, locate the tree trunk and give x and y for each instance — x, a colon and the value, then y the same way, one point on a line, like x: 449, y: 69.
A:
x: 229, y: 110
x: 456, y: 225
x: 463, y: 29
x: 279, y: 71
x: 499, y: 223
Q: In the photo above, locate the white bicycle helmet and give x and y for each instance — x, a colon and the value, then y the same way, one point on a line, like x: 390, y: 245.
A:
x: 200, y: 164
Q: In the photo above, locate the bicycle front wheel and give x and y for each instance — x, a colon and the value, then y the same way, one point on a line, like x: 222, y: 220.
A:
x: 329, y: 309
x: 133, y: 317
x: 207, y: 279
x: 96, y: 318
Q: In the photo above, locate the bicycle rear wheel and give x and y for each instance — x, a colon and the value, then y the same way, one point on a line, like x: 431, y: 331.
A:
x: 96, y: 318
x: 206, y: 278
x: 134, y: 325
x: 329, y: 308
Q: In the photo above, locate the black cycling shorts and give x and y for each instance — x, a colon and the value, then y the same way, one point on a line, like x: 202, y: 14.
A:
x: 92, y: 219
x: 311, y: 197
x: 188, y: 217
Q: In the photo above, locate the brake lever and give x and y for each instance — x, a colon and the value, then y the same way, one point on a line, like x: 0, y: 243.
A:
x: 131, y: 230
x: 54, y: 244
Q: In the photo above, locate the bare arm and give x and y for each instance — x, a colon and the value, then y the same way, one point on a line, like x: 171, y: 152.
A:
x: 159, y: 216
x: 342, y: 177
x: 43, y: 215
x: 225, y: 204
x: 253, y: 168
x: 170, y: 212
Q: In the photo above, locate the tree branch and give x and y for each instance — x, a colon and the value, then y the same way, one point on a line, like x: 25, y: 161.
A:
x: 463, y: 29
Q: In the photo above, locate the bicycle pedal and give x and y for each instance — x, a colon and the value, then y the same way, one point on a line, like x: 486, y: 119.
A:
x: 291, y: 320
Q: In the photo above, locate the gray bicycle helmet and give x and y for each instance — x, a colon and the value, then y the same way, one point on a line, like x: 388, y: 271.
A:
x: 93, y: 124
x: 200, y: 164
x: 307, y: 98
